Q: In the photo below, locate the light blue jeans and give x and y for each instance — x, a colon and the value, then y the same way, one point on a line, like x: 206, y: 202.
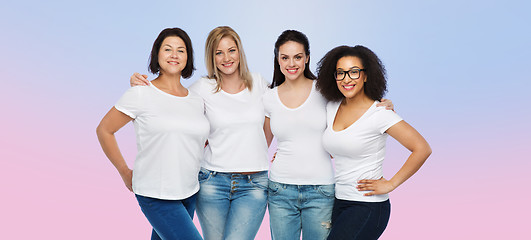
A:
x: 293, y: 208
x: 231, y: 205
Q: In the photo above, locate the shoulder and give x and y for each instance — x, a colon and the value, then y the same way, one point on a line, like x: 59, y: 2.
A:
x: 383, y: 112
x: 383, y: 118
x: 259, y: 81
x: 137, y: 91
x: 317, y: 94
x: 202, y: 84
x: 332, y: 105
x: 269, y: 94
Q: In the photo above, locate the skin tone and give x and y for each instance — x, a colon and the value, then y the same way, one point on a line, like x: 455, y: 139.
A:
x: 292, y: 60
x: 294, y: 91
x: 172, y: 60
x: 355, y: 104
x: 227, y: 61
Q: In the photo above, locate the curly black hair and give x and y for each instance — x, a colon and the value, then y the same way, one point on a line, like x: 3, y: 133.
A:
x: 376, y: 84
x: 294, y: 36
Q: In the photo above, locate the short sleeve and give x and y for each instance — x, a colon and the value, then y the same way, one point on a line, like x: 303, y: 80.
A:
x: 386, y: 119
x: 130, y: 102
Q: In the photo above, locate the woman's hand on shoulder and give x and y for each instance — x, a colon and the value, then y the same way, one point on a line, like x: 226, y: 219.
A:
x: 376, y: 187
x: 138, y: 79
x: 387, y: 103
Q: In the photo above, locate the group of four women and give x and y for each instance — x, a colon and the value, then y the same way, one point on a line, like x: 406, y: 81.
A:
x: 313, y: 118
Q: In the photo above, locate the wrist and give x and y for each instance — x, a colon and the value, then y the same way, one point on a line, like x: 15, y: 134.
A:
x: 394, y: 183
x: 123, y: 170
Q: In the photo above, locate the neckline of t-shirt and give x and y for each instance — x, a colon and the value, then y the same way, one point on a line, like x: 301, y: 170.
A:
x: 233, y: 94
x: 354, y: 123
x: 300, y: 106
x: 167, y: 94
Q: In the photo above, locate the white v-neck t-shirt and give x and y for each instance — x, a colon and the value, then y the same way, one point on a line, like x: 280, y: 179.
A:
x: 170, y: 134
x: 237, y: 141
x: 358, y: 150
x: 301, y: 158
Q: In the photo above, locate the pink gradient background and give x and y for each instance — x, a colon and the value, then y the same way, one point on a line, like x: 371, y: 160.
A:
x: 458, y: 72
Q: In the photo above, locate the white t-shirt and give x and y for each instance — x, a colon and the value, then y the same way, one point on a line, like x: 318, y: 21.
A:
x: 358, y: 150
x: 237, y: 141
x: 170, y: 134
x: 301, y: 158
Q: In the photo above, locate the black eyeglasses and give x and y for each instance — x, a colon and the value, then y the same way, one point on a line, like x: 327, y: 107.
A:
x: 353, y: 73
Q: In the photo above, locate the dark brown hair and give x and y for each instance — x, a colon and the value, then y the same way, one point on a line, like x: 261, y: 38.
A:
x: 298, y: 37
x: 154, y: 66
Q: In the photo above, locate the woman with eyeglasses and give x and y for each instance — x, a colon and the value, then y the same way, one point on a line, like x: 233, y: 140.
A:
x: 301, y: 179
x: 171, y: 130
x: 232, y: 200
x: 353, y: 79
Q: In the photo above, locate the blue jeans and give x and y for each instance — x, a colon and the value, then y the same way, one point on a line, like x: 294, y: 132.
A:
x: 170, y: 219
x: 231, y: 205
x: 296, y: 207
x: 359, y: 220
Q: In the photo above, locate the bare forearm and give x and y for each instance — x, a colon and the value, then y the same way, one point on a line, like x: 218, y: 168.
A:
x: 411, y: 166
x: 267, y: 131
x: 112, y: 151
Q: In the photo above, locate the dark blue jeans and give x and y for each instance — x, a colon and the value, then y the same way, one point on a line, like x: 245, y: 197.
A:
x: 170, y: 219
x: 359, y: 220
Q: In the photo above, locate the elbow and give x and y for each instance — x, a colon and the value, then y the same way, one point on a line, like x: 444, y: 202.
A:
x: 422, y: 150
x: 427, y: 150
x: 100, y: 130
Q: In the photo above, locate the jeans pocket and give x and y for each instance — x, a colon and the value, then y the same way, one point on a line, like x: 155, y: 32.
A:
x: 259, y: 180
x: 273, y: 188
x: 204, y: 175
x: 327, y: 190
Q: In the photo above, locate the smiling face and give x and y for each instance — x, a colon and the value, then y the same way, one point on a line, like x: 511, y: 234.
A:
x: 227, y: 57
x: 351, y: 87
x: 292, y: 60
x: 172, y: 55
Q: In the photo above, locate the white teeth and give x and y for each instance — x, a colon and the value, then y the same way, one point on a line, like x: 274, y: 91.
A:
x: 348, y: 87
x: 292, y: 70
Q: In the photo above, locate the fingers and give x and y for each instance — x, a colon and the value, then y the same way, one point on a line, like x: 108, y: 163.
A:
x: 367, y: 181
x: 139, y: 79
x: 144, y: 79
x: 388, y: 104
x: 365, y: 187
x: 370, y: 193
x: 274, y: 156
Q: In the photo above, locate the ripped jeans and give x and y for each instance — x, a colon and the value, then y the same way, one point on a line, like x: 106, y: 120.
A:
x: 293, y: 208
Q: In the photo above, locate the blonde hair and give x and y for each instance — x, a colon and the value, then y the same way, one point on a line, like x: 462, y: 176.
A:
x: 213, y: 39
